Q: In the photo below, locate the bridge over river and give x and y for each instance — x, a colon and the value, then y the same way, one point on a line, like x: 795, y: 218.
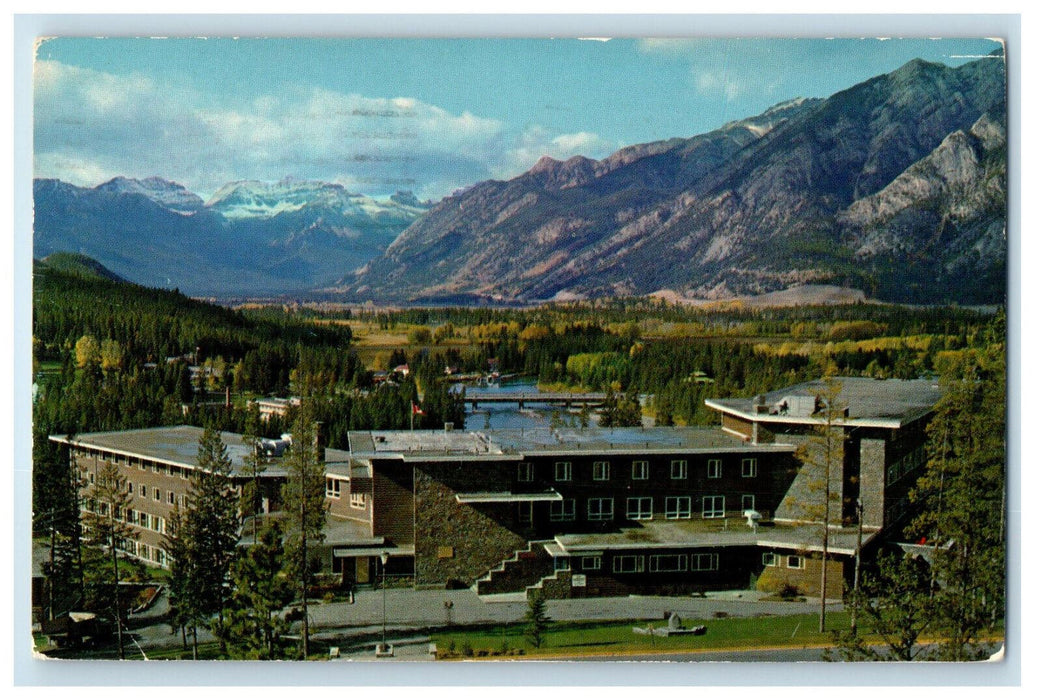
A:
x: 556, y: 398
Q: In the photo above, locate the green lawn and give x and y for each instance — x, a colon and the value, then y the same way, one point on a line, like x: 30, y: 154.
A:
x: 576, y: 638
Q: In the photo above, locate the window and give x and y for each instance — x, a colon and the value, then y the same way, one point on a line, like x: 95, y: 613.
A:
x: 144, y: 491
x: 131, y: 516
x: 524, y: 513
x: 600, y: 509
x: 713, y: 469
x: 170, y: 497
x: 770, y: 559
x: 161, y: 525
x: 678, y: 507
x: 357, y: 499
x: 591, y: 563
x: 794, y: 562
x: 640, y: 470
x: 562, y: 564
x: 638, y: 508
x: 668, y: 562
x: 525, y: 471
x: 561, y: 511
x: 184, y: 474
x: 130, y: 488
x: 143, y: 465
x: 628, y: 564
x: 157, y: 494
x: 562, y: 471
x: 155, y: 467
x: 678, y: 469
x: 749, y: 467
x: 705, y: 562
x: 748, y: 502
x: 332, y: 488
x: 601, y: 471
x: 712, y: 506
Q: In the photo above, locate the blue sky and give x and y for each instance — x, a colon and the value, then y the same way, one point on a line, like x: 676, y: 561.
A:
x: 427, y: 115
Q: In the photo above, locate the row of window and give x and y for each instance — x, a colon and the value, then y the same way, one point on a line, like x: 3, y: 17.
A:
x: 140, y: 463
x: 640, y: 470
x: 157, y: 494
x: 661, y: 563
x: 791, y: 561
x: 637, y: 508
x: 357, y: 500
x: 134, y: 517
x: 146, y: 520
x: 913, y: 461
x: 144, y: 551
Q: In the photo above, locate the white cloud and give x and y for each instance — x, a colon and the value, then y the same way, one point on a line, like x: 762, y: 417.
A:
x: 91, y: 126
x: 535, y: 142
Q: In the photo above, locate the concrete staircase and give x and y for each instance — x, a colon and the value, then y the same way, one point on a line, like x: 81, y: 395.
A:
x: 513, y: 575
x: 555, y: 586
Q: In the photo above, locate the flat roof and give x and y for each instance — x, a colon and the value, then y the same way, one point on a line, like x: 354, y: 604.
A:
x: 710, y: 533
x: 884, y: 403
x: 177, y: 445
x: 426, y: 445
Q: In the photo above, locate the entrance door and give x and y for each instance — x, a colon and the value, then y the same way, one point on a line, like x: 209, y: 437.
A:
x: 362, y: 570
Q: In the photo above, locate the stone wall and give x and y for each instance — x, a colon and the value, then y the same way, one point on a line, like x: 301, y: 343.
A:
x: 871, y: 478
x: 456, y: 543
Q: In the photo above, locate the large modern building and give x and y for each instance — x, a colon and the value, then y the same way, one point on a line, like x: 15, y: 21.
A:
x: 586, y: 512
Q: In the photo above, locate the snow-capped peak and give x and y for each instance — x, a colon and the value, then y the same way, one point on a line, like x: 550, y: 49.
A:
x: 165, y: 193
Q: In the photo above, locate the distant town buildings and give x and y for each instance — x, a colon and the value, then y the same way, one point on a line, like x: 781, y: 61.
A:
x: 580, y: 512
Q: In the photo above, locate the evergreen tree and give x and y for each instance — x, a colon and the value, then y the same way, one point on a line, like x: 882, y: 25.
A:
x: 212, y: 523
x: 896, y: 605
x: 304, y: 502
x: 962, y: 498
x: 107, y: 504
x: 822, y: 457
x: 184, y: 610
x: 253, y: 467
x: 56, y: 515
x: 536, y: 620
x: 253, y: 624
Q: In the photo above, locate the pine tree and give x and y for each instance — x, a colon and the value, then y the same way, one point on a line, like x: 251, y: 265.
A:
x: 253, y: 467
x: 536, y: 620
x: 253, y: 623
x: 212, y: 522
x: 56, y: 515
x: 896, y: 606
x: 107, y: 504
x: 822, y: 457
x: 184, y: 611
x: 962, y: 498
x: 304, y: 502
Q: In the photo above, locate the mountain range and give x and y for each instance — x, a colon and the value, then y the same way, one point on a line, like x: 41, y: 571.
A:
x: 895, y: 187
x: 249, y: 238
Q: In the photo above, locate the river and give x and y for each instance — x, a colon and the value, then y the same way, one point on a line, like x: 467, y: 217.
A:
x: 498, y: 416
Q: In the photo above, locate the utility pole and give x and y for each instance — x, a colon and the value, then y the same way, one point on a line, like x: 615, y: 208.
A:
x: 857, y: 568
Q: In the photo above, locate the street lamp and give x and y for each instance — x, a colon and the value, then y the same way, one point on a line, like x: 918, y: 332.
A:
x: 384, y: 556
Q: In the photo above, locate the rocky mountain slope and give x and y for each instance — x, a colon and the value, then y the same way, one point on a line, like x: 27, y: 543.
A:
x: 250, y: 238
x: 895, y: 186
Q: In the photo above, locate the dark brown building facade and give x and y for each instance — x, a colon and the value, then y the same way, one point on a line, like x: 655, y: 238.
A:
x: 591, y: 512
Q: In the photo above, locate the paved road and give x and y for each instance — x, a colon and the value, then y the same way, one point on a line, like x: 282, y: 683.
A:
x: 410, y: 612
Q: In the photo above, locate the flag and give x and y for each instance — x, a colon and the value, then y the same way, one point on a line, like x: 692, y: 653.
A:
x: 416, y: 411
